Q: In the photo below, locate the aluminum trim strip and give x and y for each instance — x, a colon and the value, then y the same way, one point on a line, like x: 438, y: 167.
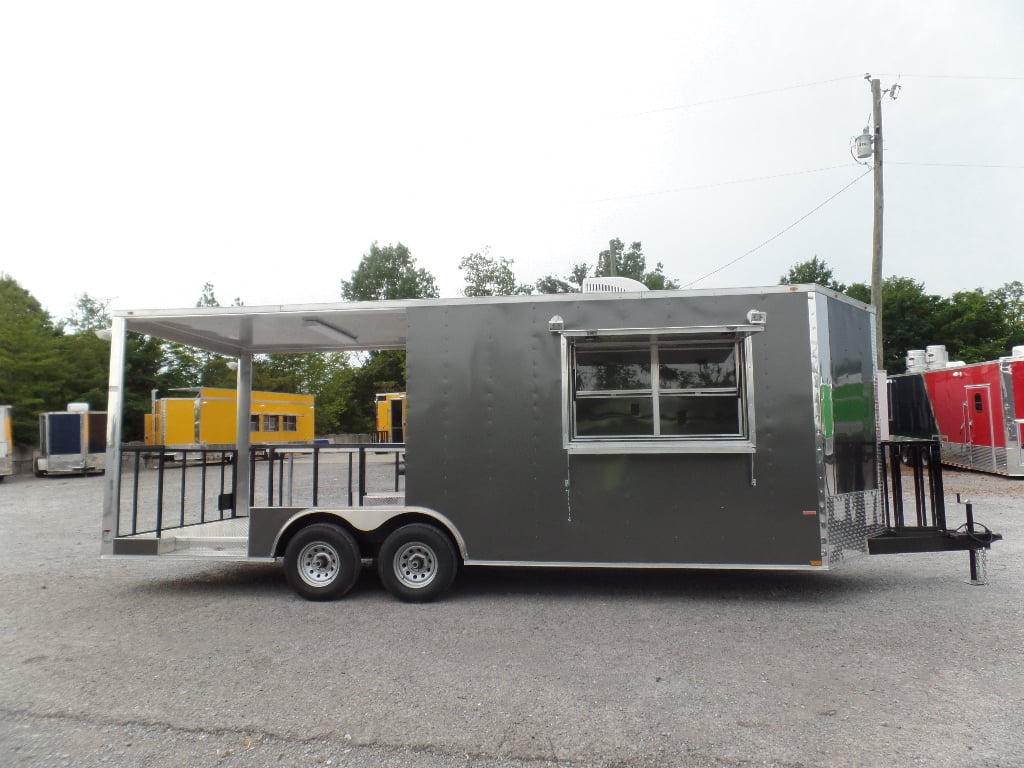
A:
x: 647, y: 566
x: 687, y: 330
x: 663, y: 446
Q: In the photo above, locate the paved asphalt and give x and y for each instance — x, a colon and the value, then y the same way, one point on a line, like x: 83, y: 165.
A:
x: 890, y: 661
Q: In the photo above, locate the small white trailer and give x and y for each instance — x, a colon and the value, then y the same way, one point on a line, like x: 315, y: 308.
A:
x: 71, y: 442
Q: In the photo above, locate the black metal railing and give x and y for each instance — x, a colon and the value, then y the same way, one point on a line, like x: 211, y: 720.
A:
x: 165, y: 488
x: 922, y: 456
x: 927, y: 529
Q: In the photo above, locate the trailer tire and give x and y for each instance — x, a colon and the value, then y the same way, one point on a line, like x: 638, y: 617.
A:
x: 322, y: 562
x: 908, y: 459
x: 417, y: 563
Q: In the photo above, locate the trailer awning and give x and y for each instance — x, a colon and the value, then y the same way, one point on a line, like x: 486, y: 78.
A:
x: 278, y: 329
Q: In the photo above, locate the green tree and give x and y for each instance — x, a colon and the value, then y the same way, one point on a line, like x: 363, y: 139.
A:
x: 330, y: 377
x: 388, y: 272
x: 487, y: 277
x: 383, y: 274
x: 31, y: 370
x: 552, y: 284
x: 143, y: 372
x: 85, y: 367
x: 814, y: 271
x: 88, y: 315
x: 1011, y: 297
x: 193, y: 367
x: 972, y: 325
x: 572, y: 283
x: 861, y: 292
x: 631, y: 263
x: 380, y: 372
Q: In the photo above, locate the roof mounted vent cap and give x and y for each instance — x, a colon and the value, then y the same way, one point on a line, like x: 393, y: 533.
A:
x: 612, y: 285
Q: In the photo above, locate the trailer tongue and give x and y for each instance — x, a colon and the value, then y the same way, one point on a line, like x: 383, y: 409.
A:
x: 928, y: 530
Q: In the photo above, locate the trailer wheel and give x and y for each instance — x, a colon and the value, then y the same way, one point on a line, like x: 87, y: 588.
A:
x: 908, y: 459
x: 322, y: 562
x: 417, y: 563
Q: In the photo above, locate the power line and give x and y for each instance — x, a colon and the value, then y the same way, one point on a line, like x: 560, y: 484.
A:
x: 954, y: 77
x: 949, y: 165
x: 798, y: 86
x: 776, y: 236
x: 712, y: 185
x: 736, y: 97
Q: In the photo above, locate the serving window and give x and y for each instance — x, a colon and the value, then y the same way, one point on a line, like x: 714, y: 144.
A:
x: 658, y: 393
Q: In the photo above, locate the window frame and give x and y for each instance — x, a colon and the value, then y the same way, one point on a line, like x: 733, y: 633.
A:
x: 289, y: 422
x: 271, y: 422
x: 655, y: 339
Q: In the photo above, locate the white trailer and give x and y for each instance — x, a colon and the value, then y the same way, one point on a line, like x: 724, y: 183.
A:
x: 71, y: 442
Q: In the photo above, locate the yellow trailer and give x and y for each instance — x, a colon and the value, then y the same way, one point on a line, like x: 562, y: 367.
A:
x: 390, y: 417
x: 207, y: 418
x: 6, y: 443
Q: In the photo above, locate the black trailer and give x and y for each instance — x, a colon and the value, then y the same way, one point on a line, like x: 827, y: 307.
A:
x: 656, y: 429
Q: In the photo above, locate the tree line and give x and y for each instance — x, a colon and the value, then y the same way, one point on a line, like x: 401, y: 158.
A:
x: 45, y: 363
x: 974, y: 325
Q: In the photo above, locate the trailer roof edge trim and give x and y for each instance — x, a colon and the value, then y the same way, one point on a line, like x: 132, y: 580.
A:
x: 355, y: 326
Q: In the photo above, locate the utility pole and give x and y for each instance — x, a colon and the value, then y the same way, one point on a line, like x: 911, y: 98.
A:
x: 611, y: 258
x: 876, y: 251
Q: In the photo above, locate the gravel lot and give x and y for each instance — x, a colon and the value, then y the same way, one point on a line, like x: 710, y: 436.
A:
x: 891, y: 661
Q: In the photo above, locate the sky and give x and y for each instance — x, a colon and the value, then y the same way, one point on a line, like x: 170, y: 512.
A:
x: 148, y: 148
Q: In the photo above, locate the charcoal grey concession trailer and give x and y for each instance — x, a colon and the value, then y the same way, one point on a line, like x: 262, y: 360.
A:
x: 677, y: 429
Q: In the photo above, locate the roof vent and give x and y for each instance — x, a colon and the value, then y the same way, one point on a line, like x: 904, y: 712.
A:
x: 612, y: 285
x: 936, y: 356
x: 916, y: 360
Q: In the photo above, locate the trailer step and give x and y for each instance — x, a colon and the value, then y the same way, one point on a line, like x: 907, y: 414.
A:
x: 218, y: 538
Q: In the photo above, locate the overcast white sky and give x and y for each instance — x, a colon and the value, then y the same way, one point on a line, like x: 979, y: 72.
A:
x: 146, y: 148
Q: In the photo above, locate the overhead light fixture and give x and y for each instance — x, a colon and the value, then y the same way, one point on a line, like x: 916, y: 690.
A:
x: 335, y: 334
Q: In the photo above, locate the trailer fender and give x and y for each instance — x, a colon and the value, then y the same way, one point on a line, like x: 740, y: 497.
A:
x: 269, y: 527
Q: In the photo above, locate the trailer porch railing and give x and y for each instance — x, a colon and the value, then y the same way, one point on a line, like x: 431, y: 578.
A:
x: 166, y: 488
x: 924, y: 528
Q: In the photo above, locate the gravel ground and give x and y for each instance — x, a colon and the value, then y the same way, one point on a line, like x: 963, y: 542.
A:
x: 889, y: 661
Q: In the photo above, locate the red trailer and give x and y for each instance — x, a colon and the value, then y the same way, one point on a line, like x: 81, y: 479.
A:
x: 976, y: 411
